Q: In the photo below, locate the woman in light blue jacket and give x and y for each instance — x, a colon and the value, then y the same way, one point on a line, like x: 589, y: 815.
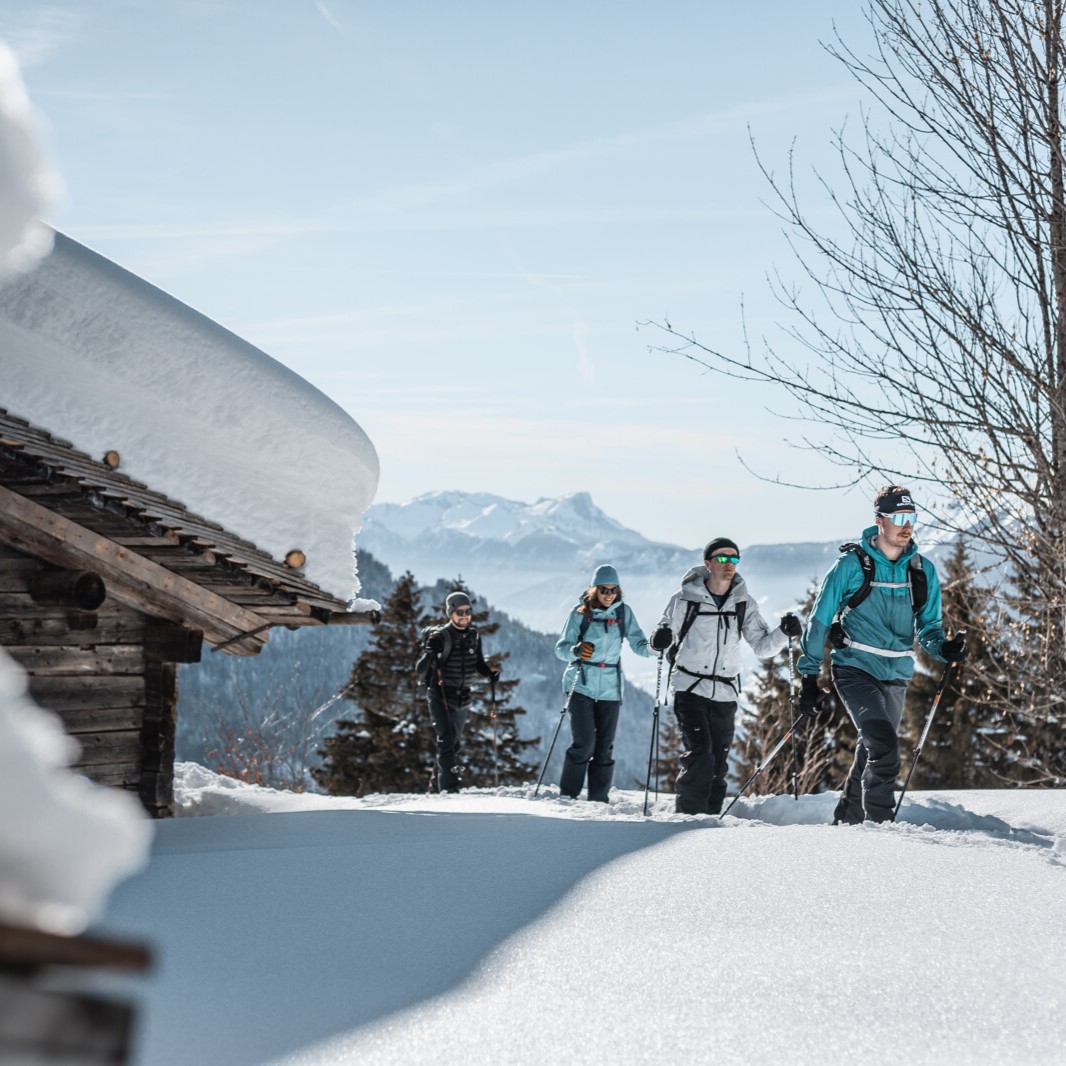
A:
x: 591, y: 642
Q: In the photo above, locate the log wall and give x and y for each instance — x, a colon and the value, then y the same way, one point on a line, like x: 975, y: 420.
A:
x: 104, y: 674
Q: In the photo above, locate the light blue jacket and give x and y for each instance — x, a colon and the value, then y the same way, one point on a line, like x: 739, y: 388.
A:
x: 883, y: 622
x: 600, y: 678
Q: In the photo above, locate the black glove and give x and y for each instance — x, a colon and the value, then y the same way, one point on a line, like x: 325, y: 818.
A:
x: 811, y: 696
x: 494, y: 676
x: 954, y: 650
x: 582, y: 650
x: 791, y: 626
x: 435, y: 644
x: 661, y: 639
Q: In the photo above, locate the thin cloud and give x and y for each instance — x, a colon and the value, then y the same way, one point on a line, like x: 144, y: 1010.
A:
x: 41, y: 34
x: 328, y: 15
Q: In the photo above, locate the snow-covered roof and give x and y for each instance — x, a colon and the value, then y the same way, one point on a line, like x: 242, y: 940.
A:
x: 107, y: 361
x: 76, y: 512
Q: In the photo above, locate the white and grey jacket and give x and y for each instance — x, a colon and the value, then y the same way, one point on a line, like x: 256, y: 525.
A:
x: 709, y: 659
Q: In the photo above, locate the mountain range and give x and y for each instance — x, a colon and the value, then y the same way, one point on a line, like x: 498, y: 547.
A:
x: 534, y: 560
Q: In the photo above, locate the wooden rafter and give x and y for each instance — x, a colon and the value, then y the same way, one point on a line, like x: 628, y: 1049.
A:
x: 130, y: 578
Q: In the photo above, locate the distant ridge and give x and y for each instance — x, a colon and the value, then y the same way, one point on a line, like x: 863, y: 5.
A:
x: 534, y: 559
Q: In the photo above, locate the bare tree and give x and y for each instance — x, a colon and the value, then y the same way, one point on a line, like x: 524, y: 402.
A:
x: 939, y: 322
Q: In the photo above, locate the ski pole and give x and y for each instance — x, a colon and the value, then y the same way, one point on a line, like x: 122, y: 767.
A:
x: 762, y: 766
x: 495, y: 759
x: 928, y: 722
x: 558, y: 726
x: 792, y: 718
x: 654, y: 738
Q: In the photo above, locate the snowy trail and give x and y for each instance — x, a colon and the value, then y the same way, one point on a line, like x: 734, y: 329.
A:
x: 801, y: 944
x: 485, y: 928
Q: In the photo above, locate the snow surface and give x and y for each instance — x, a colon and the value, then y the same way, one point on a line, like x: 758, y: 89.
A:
x: 491, y: 927
x: 103, y: 359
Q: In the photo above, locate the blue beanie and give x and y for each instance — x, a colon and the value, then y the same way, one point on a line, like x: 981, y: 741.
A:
x: 605, y: 575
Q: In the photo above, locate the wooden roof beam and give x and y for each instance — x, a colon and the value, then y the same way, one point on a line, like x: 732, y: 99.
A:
x: 131, y: 579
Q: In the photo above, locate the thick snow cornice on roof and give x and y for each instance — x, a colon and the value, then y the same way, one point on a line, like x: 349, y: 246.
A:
x: 107, y: 361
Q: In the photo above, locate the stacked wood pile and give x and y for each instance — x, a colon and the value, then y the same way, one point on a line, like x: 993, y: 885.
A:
x: 106, y: 585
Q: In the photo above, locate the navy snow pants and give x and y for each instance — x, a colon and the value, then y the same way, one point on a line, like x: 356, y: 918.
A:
x: 876, y: 708
x: 448, y: 709
x: 707, y: 734
x: 593, y: 724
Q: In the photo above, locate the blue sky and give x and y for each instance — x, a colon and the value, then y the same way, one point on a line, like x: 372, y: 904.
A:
x: 451, y: 217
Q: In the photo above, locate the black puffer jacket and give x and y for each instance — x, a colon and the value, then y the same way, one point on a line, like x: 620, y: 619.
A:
x: 464, y: 658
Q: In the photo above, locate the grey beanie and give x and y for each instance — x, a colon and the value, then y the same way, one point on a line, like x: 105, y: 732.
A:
x: 456, y: 599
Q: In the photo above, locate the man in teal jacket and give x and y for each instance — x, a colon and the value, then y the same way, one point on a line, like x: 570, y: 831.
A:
x: 871, y: 617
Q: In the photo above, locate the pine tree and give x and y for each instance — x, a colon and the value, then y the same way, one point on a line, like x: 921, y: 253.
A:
x: 1028, y: 687
x: 960, y: 751
x: 825, y: 746
x: 388, y: 744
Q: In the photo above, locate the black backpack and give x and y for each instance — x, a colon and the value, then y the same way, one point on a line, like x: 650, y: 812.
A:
x: 426, y: 667
x: 692, y: 612
x: 917, y: 582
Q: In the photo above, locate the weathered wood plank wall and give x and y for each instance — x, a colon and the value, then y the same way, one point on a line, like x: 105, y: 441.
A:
x: 114, y: 695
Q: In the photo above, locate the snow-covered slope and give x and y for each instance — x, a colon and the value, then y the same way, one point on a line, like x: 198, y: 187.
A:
x: 489, y: 928
x: 107, y: 361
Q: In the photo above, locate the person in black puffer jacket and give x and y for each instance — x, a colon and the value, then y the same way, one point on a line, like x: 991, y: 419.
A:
x: 453, y: 655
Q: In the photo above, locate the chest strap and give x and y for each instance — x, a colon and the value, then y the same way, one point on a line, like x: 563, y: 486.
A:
x: 732, y: 682
x: 847, y: 642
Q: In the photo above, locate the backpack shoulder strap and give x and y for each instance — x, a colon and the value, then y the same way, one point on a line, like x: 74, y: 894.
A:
x: 692, y: 609
x: 918, y: 581
x: 867, y: 565
x: 742, y: 608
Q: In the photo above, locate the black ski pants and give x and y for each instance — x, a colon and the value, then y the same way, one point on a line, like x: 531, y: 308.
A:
x: 707, y: 734
x: 448, y: 708
x: 593, y: 724
x: 876, y: 708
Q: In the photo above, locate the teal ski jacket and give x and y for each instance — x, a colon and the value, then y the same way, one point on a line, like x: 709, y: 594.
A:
x: 882, y: 628
x: 600, y: 678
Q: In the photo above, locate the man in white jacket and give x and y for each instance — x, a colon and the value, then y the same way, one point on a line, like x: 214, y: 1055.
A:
x: 700, y: 631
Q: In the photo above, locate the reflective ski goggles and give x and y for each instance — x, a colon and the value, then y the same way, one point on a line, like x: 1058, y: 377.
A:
x: 899, y: 518
x: 723, y: 559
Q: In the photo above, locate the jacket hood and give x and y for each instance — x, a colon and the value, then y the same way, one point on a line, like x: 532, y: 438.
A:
x: 694, y: 585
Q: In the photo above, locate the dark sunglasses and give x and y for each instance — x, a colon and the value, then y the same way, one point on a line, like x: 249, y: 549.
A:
x: 462, y: 611
x: 723, y: 559
x: 607, y: 590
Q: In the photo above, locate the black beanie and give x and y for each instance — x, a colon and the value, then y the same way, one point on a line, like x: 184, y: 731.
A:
x: 718, y: 544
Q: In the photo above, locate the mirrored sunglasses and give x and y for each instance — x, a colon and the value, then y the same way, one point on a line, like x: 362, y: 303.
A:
x: 462, y: 611
x: 723, y: 559
x: 607, y: 590
x: 899, y: 518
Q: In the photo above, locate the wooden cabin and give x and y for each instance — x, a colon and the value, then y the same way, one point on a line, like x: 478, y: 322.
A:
x: 106, y: 585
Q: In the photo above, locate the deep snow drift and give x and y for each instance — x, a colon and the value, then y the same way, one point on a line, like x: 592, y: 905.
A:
x: 489, y: 927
